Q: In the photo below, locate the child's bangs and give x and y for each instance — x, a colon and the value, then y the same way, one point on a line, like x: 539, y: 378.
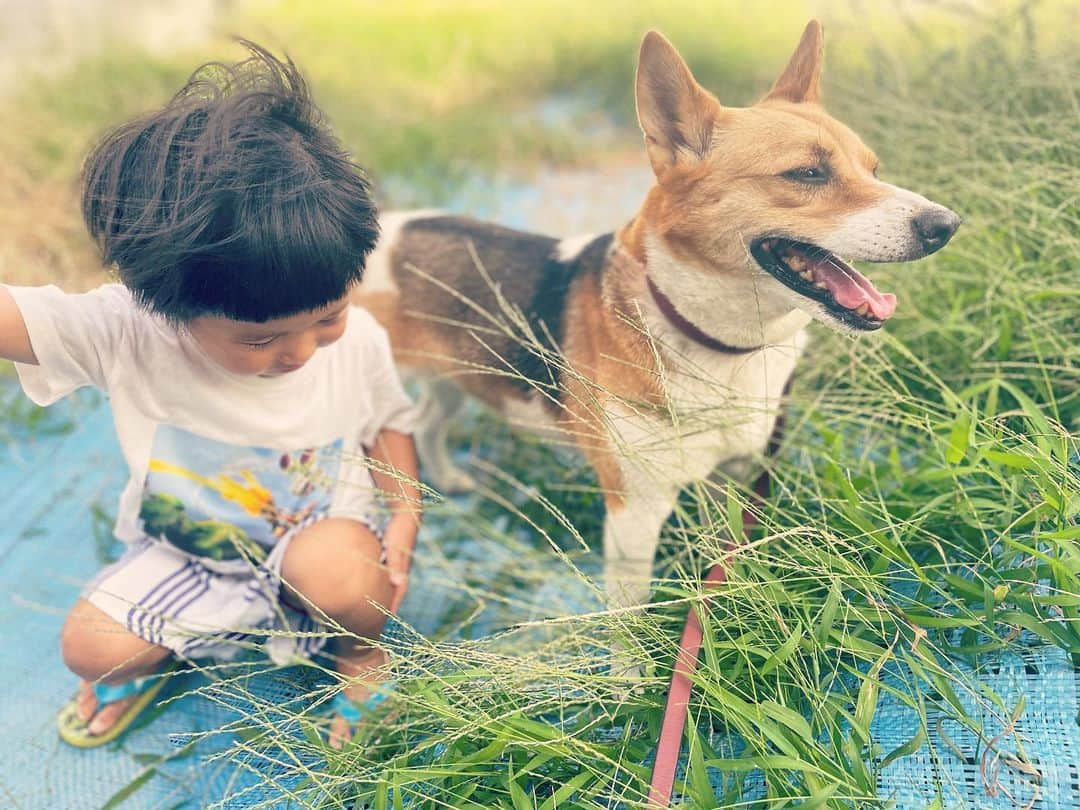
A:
x: 290, y: 254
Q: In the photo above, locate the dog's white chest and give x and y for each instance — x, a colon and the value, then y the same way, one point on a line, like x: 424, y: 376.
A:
x: 720, y: 409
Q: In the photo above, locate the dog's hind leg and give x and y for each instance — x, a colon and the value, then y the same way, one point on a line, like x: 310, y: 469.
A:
x: 440, y: 402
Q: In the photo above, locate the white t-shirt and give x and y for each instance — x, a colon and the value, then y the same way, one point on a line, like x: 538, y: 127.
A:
x: 215, y: 456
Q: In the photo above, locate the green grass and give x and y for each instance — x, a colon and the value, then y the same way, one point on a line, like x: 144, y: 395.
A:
x: 924, y: 508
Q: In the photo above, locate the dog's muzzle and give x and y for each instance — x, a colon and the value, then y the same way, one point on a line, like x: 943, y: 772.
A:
x: 824, y: 277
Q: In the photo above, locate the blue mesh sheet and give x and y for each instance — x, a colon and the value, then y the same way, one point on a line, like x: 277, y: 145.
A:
x: 1032, y: 763
x: 60, y: 487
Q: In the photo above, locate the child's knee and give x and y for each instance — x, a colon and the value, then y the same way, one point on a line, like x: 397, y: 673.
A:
x: 94, y: 646
x: 335, y: 566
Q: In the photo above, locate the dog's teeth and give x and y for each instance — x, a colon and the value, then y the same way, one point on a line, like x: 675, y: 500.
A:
x: 806, y: 275
x: 862, y: 309
x: 796, y: 262
x: 821, y: 285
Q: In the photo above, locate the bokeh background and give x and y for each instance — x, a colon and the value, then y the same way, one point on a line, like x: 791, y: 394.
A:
x: 440, y: 100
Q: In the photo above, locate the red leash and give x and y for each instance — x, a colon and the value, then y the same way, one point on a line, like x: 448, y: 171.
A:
x: 678, y: 699
x: 671, y: 730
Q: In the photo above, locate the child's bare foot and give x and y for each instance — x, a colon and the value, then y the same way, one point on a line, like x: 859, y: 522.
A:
x: 354, y: 666
x: 104, y: 717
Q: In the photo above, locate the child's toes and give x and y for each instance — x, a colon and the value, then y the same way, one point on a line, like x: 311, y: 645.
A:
x: 86, y: 703
x: 340, y: 733
x: 107, y: 716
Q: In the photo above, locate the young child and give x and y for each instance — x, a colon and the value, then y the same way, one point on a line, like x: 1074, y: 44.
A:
x: 254, y: 406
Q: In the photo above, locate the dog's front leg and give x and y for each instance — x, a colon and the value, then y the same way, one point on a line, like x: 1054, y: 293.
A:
x: 631, y: 533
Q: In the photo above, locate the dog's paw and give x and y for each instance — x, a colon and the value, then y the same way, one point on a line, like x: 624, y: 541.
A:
x: 627, y: 674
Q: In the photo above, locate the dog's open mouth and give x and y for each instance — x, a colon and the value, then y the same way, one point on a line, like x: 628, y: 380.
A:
x: 824, y: 277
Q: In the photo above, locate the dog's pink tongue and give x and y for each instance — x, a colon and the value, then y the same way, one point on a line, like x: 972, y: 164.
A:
x: 851, y: 289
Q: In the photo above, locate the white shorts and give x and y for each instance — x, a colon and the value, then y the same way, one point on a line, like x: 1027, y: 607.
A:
x: 198, y: 607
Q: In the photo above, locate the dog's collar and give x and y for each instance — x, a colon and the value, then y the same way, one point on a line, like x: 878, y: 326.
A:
x: 672, y: 314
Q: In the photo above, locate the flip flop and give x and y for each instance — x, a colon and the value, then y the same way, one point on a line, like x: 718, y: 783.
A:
x: 74, y: 731
x: 354, y: 711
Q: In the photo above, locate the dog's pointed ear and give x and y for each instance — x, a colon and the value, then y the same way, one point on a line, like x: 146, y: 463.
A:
x: 675, y: 112
x: 799, y: 81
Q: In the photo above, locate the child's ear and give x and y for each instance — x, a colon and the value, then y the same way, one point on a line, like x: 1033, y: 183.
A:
x: 676, y: 113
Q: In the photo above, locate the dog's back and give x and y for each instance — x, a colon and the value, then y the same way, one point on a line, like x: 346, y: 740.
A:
x: 491, y: 298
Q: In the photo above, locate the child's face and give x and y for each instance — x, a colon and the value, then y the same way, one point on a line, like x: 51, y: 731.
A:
x: 272, y: 348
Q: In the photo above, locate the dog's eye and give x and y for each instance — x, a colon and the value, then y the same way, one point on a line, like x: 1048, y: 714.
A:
x: 814, y: 175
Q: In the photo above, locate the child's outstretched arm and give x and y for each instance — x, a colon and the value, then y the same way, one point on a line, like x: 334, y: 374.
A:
x: 14, y: 338
x: 60, y: 341
x: 396, y: 472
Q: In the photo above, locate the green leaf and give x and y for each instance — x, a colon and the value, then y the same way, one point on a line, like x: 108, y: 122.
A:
x: 866, y: 702
x: 766, y: 762
x: 127, y: 790
x: 959, y: 438
x: 540, y: 759
x: 741, y: 709
x: 517, y: 794
x: 1053, y: 632
x: 734, y: 513
x: 1005, y: 338
x: 172, y: 756
x: 827, y: 617
x: 311, y: 733
x: 564, y: 793
x: 697, y: 775
x: 1011, y: 459
x: 1042, y: 430
x: 783, y: 652
x: 856, y: 765
x: 820, y: 797
x: 908, y: 748
x: 964, y: 586
x: 790, y: 718
x: 708, y: 637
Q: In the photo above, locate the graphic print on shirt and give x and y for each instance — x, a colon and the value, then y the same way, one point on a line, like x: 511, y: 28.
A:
x: 227, y: 502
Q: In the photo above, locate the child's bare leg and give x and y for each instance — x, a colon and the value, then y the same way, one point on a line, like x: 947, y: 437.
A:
x: 334, y: 565
x: 97, y: 648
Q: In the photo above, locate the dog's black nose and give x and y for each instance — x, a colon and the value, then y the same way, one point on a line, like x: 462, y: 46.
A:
x: 935, y: 227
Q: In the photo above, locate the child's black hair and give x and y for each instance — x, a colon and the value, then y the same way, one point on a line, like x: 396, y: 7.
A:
x: 233, y: 200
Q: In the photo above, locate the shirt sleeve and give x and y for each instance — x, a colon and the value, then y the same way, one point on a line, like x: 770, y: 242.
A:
x: 76, y: 338
x: 392, y: 409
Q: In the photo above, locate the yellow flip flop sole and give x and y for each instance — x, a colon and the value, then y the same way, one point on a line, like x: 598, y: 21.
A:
x: 74, y: 731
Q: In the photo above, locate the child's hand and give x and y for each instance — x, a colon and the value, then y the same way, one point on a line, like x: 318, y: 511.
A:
x: 400, y: 541
x: 395, y: 474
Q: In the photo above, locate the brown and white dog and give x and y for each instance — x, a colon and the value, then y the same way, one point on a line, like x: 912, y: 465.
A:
x: 661, y: 351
